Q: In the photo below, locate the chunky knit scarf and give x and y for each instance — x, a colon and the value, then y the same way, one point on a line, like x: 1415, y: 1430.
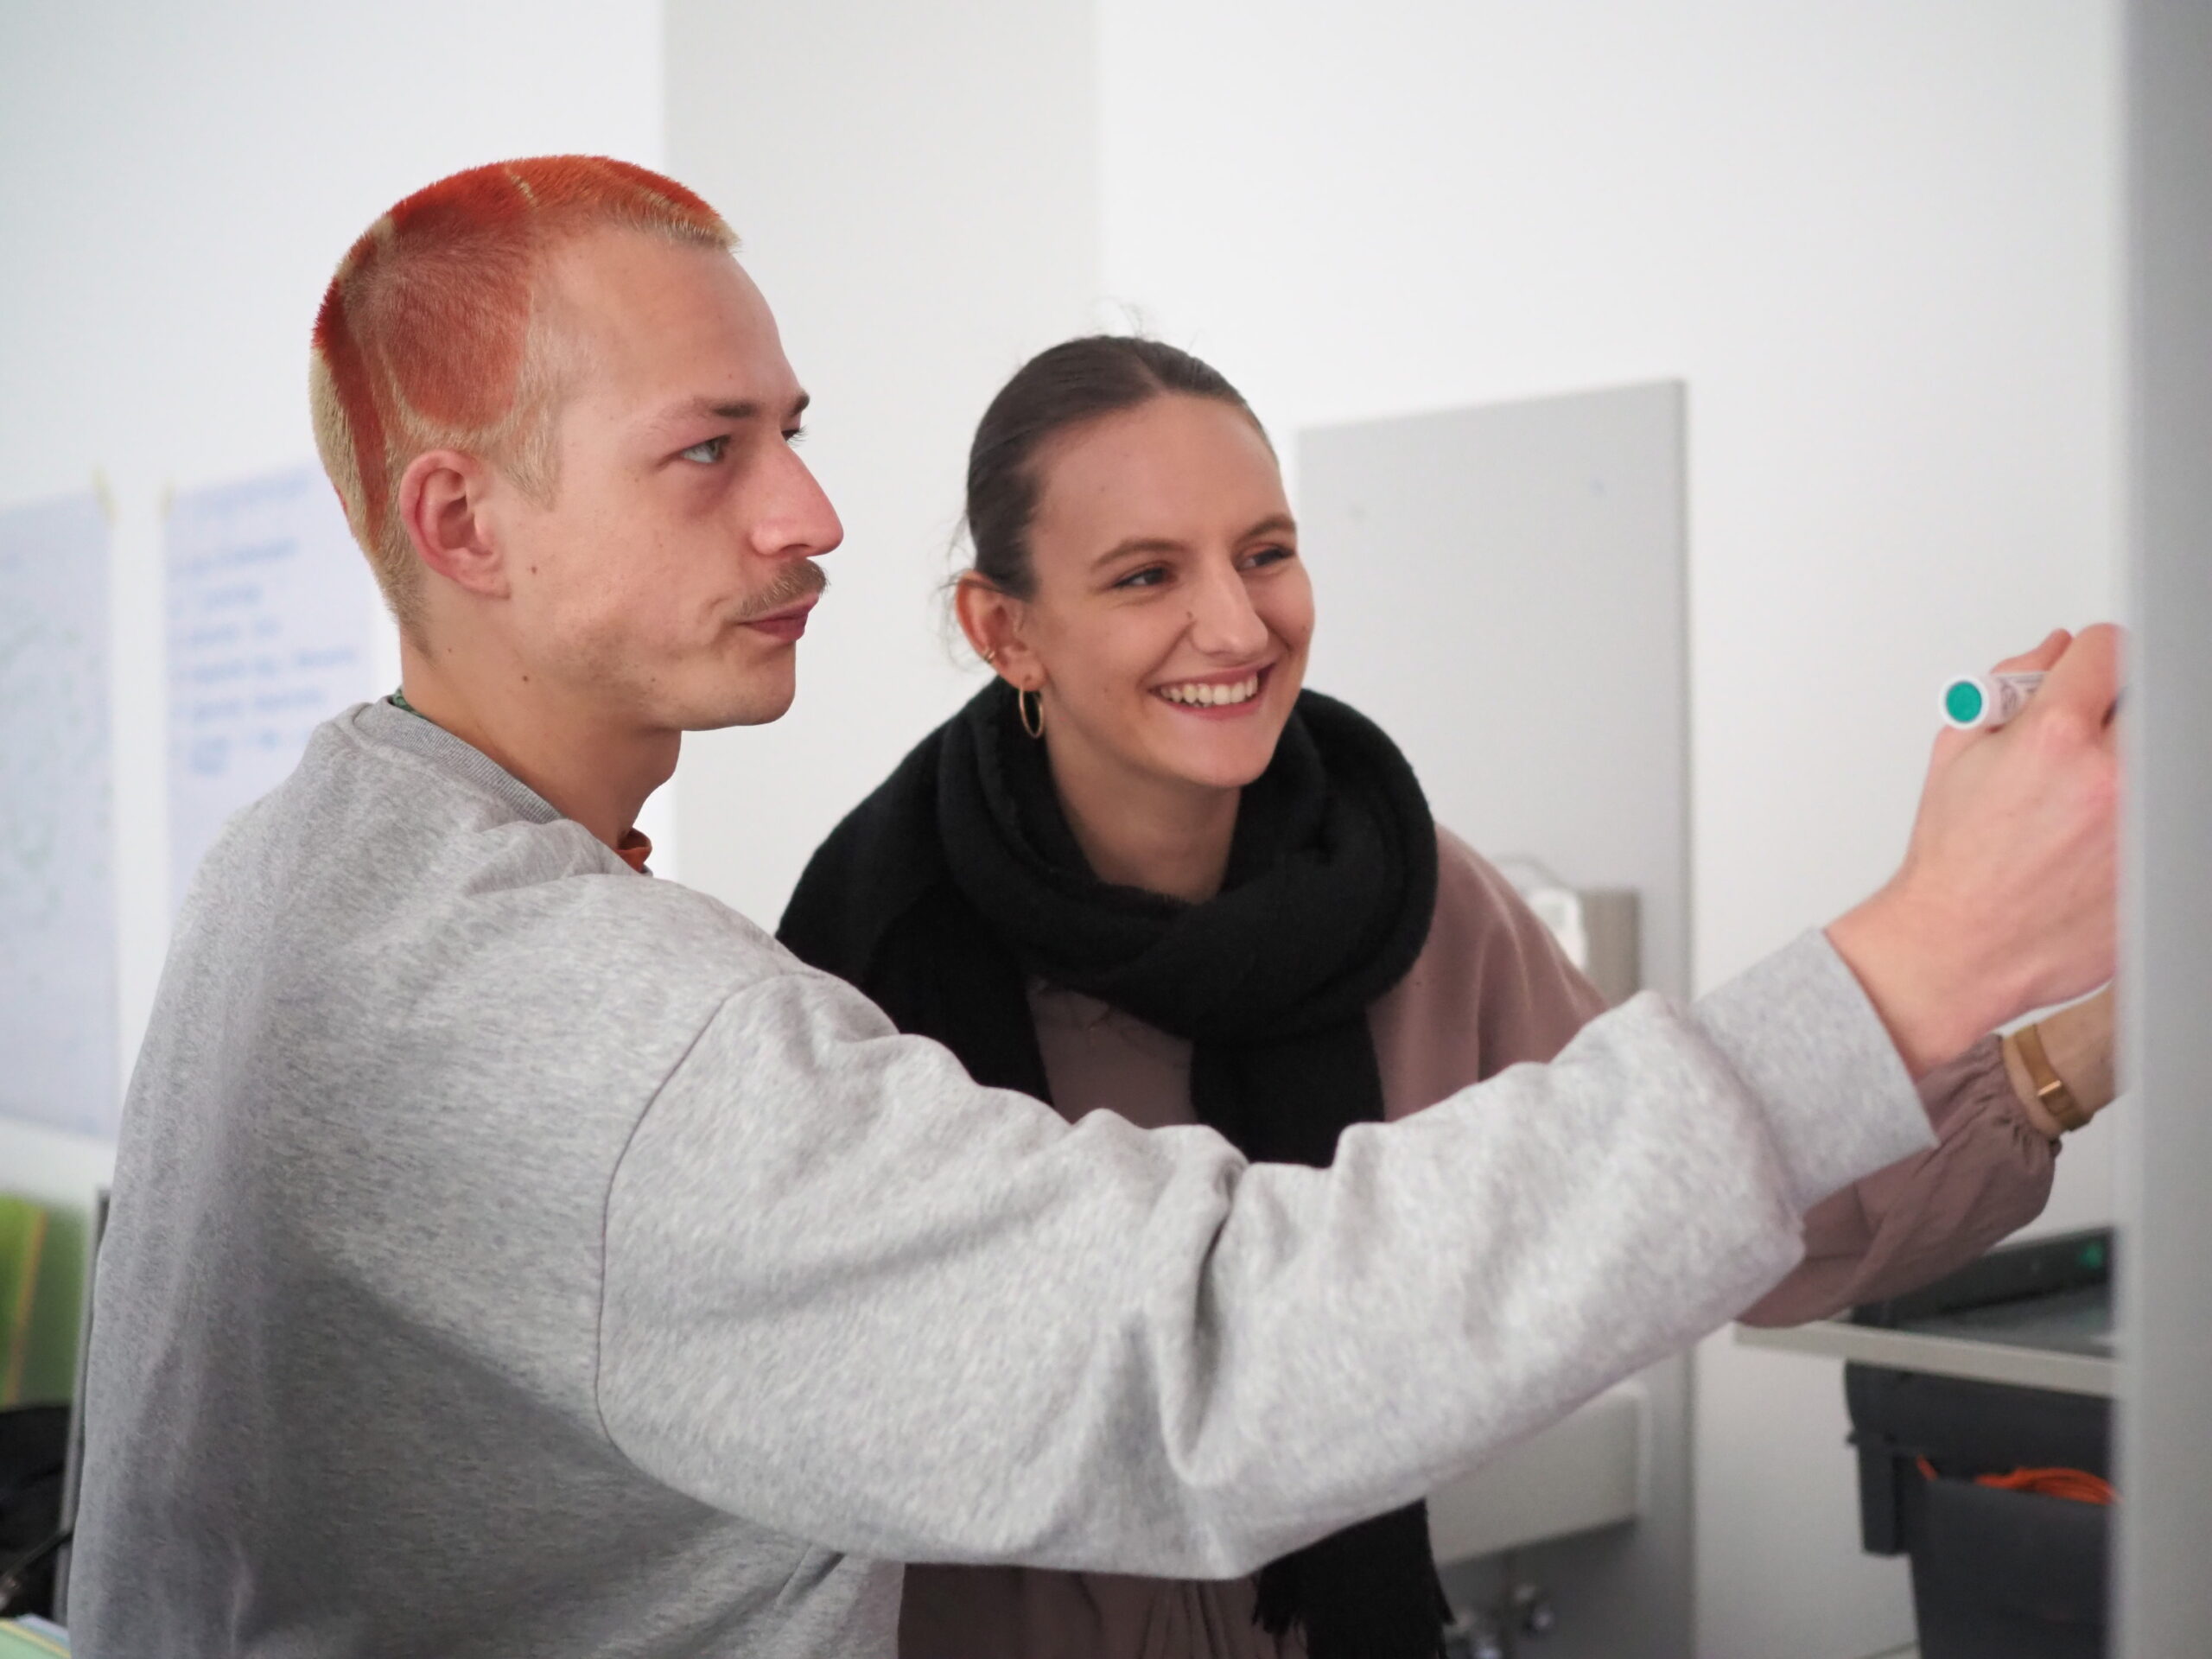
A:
x: 957, y: 882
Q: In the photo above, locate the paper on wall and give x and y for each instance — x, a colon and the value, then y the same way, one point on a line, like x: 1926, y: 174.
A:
x: 271, y: 620
x: 57, y: 879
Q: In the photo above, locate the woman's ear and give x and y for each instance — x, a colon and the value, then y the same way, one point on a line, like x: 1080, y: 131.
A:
x: 441, y: 505
x: 992, y: 620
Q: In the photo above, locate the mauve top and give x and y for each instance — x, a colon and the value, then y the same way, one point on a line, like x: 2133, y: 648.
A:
x: 1490, y: 989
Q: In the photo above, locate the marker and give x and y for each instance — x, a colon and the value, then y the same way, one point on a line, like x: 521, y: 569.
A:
x: 1987, y: 700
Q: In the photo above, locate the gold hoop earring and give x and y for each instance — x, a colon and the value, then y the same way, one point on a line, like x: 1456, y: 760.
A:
x: 1021, y: 708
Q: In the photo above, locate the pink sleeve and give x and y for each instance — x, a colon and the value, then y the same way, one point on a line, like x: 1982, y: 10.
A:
x: 1490, y: 989
x: 1988, y: 1174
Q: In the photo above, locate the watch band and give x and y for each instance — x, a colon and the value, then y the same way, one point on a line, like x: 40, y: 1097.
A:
x: 2051, y: 1089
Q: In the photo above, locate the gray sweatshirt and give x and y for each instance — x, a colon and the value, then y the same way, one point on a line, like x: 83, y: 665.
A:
x: 513, y: 1254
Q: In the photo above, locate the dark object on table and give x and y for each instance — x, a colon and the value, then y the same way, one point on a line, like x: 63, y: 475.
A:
x: 1997, y: 1572
x: 33, y: 1440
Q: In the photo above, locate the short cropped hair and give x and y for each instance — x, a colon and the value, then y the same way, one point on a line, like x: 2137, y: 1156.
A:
x: 436, y: 333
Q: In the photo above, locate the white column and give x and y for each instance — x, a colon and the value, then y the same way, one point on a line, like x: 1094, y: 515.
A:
x: 917, y: 190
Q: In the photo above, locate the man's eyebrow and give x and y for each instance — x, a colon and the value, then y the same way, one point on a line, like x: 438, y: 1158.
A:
x: 744, y: 409
x: 1280, y: 524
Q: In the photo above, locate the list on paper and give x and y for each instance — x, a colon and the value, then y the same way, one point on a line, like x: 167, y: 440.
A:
x: 271, y: 625
x: 58, y: 1065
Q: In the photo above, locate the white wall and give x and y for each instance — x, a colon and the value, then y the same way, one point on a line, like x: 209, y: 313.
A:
x: 916, y: 190
x: 181, y: 181
x: 1877, y: 239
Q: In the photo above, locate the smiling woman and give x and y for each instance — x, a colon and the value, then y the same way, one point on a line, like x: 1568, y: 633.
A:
x: 1137, y: 573
x: 1145, y: 870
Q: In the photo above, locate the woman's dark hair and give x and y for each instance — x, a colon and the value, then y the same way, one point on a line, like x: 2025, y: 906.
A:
x: 1064, y: 386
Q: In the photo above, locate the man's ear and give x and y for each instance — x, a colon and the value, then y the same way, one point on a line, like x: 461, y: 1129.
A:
x: 441, y: 496
x: 992, y: 620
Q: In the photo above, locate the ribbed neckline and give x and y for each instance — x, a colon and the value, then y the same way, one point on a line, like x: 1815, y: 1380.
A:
x: 381, y: 722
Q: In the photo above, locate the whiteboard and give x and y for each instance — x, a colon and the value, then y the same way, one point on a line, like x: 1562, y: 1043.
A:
x: 2164, y: 1592
x: 57, y: 880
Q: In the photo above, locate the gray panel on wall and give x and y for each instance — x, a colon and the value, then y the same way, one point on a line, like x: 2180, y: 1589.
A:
x: 2164, y: 1518
x: 1503, y: 591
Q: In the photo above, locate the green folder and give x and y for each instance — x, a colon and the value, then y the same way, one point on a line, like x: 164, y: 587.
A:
x: 31, y: 1639
x: 22, y: 1248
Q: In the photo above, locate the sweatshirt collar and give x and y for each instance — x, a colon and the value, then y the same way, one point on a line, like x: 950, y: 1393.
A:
x: 401, y: 727
x: 417, y: 733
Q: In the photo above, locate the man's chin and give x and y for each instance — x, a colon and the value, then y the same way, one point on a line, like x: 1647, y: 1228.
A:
x: 755, y: 704
x: 721, y: 719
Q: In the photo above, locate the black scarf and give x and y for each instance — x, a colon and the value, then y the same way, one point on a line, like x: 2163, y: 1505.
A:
x: 958, y: 880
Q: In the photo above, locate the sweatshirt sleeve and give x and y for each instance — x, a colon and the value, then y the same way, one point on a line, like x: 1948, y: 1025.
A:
x: 1988, y: 1175
x: 1901, y: 1227
x: 854, y: 1296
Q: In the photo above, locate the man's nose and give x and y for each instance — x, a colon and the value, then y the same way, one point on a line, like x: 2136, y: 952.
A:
x: 793, y: 518
x: 1223, y: 621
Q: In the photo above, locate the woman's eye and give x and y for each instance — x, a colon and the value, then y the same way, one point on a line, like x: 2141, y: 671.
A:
x: 1267, y: 556
x: 1151, y: 576
x: 707, y: 451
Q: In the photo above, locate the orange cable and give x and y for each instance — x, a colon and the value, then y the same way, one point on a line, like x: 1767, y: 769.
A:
x: 2078, y: 1485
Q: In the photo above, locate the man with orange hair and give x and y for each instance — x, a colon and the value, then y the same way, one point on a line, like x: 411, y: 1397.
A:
x: 514, y: 1255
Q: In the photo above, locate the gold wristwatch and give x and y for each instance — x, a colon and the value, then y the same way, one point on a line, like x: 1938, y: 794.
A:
x: 2051, y: 1089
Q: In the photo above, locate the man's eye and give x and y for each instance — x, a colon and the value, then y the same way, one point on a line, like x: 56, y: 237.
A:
x: 707, y: 451
x: 1267, y: 556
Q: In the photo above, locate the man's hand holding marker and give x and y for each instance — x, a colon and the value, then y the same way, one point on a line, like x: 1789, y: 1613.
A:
x: 2004, y: 899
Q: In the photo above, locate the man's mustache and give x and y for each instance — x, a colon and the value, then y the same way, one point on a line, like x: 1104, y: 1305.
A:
x: 801, y: 581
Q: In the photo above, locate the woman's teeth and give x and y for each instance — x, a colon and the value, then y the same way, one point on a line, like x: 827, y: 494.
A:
x: 1212, y: 697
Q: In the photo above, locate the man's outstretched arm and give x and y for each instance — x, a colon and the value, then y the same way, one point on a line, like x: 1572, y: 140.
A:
x: 852, y: 1295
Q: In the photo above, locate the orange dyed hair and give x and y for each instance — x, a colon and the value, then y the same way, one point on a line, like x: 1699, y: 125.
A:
x: 436, y: 332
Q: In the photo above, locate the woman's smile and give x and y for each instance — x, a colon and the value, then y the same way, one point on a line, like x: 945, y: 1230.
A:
x: 1150, y: 607
x: 1216, y: 697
